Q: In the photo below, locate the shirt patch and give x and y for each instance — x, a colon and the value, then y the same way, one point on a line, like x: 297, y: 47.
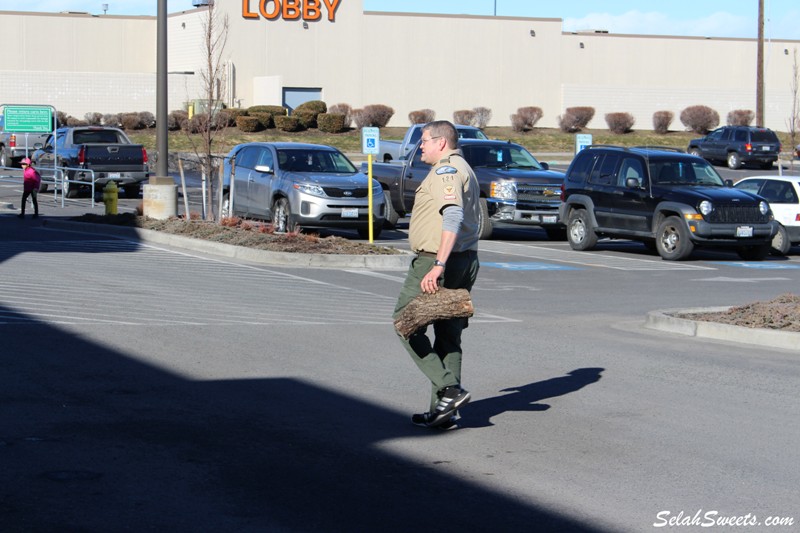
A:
x: 446, y: 170
x: 449, y: 192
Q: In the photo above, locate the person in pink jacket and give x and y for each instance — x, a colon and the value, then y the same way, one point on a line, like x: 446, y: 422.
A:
x: 30, y: 187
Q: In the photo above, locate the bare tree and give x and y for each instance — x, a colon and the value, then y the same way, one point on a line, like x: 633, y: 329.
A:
x: 211, y: 123
x: 793, y: 122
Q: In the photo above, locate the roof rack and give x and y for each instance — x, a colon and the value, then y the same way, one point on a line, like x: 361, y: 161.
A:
x: 664, y: 148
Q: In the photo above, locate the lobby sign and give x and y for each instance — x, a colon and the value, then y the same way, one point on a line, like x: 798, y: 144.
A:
x: 310, y: 10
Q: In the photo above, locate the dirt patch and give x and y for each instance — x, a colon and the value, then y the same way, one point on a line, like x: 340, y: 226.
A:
x: 782, y: 313
x: 245, y: 233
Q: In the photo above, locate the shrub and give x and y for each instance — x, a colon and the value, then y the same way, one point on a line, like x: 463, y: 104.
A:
x: 147, y: 119
x: 464, y: 116
x: 111, y: 119
x: 234, y: 113
x: 422, y: 116
x: 377, y: 115
x: 700, y: 119
x: 249, y: 124
x: 72, y: 122
x: 266, y: 120
x: 575, y: 119
x: 661, y: 121
x: 274, y: 110
x: 359, y: 118
x: 93, y: 119
x: 331, y: 122
x: 286, y: 123
x: 620, y: 123
x: 131, y: 121
x: 313, y: 106
x: 342, y: 109
x: 482, y: 116
x: 307, y: 119
x: 526, y: 118
x: 198, y: 123
x: 177, y: 120
x: 740, y: 117
x: 61, y: 118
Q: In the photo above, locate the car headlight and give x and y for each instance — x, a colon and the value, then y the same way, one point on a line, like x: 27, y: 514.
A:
x: 705, y: 208
x: 310, y: 188
x: 763, y: 208
x: 504, y: 190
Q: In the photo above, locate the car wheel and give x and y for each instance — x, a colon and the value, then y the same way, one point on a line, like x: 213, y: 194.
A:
x: 132, y: 191
x: 556, y: 233
x: 485, y: 223
x: 754, y: 253
x: 580, y: 231
x: 282, y: 219
x: 390, y: 222
x: 68, y: 188
x: 780, y: 242
x: 226, y: 206
x: 734, y: 161
x: 363, y: 232
x: 672, y: 240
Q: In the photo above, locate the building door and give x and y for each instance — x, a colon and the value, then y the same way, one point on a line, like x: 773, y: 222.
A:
x: 294, y: 96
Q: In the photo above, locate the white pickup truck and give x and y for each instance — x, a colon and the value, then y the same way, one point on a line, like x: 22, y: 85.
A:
x: 398, y: 150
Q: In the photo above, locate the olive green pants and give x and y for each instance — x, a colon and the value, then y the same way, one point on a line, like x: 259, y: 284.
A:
x: 440, y: 361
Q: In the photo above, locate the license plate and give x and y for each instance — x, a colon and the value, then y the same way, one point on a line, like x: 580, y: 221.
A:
x: 744, y: 231
x: 114, y: 175
x: 765, y: 148
x: 549, y: 219
x: 349, y: 212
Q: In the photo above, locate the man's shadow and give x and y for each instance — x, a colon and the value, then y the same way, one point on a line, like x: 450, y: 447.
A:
x: 525, y: 397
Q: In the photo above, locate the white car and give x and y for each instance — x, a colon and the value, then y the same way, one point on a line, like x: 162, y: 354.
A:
x: 783, y: 195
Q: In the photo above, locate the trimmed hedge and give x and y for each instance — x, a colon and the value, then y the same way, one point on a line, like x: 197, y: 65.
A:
x: 286, y: 123
x: 274, y: 110
x: 422, y: 116
x: 266, y: 120
x: 331, y: 122
x: 662, y: 120
x: 249, y: 124
x: 620, y: 123
x: 700, y: 119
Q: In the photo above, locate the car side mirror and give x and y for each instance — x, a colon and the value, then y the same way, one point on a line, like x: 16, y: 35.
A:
x: 37, y: 146
x: 729, y: 183
x: 633, y: 183
x: 544, y: 166
x: 264, y: 169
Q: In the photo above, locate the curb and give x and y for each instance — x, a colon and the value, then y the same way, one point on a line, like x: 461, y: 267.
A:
x: 664, y: 320
x: 264, y: 257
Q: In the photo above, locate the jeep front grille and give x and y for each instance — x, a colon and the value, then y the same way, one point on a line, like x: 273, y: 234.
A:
x: 338, y: 192
x: 737, y: 214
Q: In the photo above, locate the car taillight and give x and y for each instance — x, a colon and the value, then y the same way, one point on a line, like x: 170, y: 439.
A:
x: 144, y: 155
x: 12, y: 141
x: 797, y: 217
x: 82, y: 155
x: 748, y: 147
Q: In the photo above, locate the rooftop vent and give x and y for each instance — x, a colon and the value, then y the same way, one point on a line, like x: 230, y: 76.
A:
x: 201, y: 3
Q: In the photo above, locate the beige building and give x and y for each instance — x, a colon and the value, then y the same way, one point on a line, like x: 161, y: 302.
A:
x: 289, y: 51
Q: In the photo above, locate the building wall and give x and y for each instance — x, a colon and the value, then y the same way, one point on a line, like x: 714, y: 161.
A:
x: 82, y: 63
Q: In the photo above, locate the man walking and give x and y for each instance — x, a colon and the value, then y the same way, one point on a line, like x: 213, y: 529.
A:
x: 444, y: 233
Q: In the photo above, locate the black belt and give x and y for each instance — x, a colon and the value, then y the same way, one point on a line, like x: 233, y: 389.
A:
x: 452, y: 254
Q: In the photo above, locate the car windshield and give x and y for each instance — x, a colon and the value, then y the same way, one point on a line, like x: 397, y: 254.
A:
x: 699, y: 173
x: 311, y: 160
x: 500, y: 156
x: 471, y: 134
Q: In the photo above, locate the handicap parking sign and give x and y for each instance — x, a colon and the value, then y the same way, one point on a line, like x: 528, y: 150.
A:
x: 370, y: 141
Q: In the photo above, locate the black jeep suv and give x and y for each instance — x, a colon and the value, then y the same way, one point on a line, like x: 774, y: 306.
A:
x: 737, y: 145
x: 669, y: 200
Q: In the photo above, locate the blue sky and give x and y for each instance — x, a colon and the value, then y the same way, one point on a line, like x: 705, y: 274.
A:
x: 705, y: 18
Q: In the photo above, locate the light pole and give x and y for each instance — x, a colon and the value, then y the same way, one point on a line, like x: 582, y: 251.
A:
x: 162, y: 141
x: 495, y: 8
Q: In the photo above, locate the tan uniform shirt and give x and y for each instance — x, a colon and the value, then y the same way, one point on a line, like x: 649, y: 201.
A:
x: 451, y: 181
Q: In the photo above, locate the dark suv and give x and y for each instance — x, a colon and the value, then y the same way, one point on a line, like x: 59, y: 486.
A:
x: 737, y: 145
x: 669, y: 200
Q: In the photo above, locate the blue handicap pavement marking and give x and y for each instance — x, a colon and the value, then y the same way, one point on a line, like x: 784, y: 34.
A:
x: 528, y: 266
x: 759, y: 265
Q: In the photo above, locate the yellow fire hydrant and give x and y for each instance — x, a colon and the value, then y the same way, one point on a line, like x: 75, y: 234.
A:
x: 110, y: 197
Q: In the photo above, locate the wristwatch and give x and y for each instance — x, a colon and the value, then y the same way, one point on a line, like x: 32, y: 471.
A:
x: 438, y: 263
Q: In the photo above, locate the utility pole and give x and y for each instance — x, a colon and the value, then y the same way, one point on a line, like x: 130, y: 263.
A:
x: 760, y: 67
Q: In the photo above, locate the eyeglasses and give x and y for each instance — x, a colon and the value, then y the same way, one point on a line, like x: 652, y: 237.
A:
x: 423, y: 141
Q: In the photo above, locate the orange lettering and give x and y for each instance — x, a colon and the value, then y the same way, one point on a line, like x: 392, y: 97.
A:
x: 246, y: 13
x: 332, y: 6
x: 311, y: 10
x: 270, y: 15
x: 291, y: 9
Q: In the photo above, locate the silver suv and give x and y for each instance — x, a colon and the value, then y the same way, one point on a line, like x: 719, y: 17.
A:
x: 300, y: 185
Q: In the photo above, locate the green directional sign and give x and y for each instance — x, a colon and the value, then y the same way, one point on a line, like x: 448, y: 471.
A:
x: 28, y: 119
